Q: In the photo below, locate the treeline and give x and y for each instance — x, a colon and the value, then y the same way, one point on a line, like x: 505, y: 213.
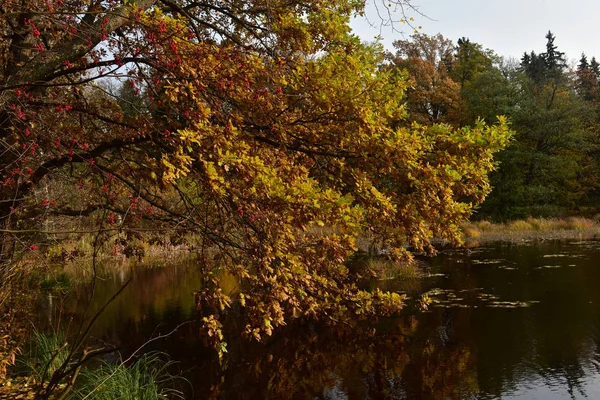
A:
x: 552, y: 167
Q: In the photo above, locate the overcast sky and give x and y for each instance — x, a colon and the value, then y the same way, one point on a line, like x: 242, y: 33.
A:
x: 509, y: 27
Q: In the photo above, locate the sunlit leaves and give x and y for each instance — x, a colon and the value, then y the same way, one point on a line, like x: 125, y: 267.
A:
x: 266, y: 132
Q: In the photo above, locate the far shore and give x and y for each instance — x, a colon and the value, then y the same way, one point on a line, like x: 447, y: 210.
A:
x: 531, y: 229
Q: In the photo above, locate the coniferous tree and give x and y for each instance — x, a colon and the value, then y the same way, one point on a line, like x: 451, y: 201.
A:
x: 595, y: 67
x: 554, y: 59
x: 534, y: 66
x: 583, y: 62
x: 545, y: 66
x: 586, y: 80
x: 130, y: 99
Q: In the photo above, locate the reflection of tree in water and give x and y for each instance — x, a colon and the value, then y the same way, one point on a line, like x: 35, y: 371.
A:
x: 546, y: 344
x: 352, y: 362
x: 385, y: 360
x: 447, y: 353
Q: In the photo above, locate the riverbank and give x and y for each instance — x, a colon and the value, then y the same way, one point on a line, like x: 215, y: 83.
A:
x: 531, y: 229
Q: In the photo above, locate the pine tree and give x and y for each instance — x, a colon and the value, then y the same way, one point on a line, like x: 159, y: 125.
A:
x: 534, y: 66
x: 554, y: 59
x: 595, y: 67
x: 583, y: 62
x: 587, y: 81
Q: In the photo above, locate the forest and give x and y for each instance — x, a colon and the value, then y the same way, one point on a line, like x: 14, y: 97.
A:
x: 267, y: 142
x: 550, y: 168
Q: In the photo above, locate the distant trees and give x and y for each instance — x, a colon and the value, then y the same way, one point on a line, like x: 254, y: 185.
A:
x: 552, y: 165
x: 548, y: 170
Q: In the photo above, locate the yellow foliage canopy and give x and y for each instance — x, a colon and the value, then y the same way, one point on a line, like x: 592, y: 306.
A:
x: 267, y: 130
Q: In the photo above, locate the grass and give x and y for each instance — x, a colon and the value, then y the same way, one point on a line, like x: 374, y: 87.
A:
x: 532, y: 229
x: 46, y: 354
x: 60, y: 282
x: 385, y: 269
x: 146, y: 379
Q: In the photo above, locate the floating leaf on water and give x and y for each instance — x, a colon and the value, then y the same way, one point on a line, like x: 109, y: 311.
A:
x: 548, y: 267
x: 562, y: 255
x: 512, y: 304
x: 485, y: 262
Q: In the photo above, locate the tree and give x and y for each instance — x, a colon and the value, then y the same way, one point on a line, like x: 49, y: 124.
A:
x: 554, y: 59
x: 471, y: 60
x: 595, y: 67
x: 587, y: 81
x: 549, y: 168
x: 534, y: 66
x: 433, y: 96
x: 276, y: 149
x: 545, y: 66
x: 494, y: 91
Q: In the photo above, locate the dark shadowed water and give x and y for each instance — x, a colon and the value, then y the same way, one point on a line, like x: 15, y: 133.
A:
x: 505, y: 321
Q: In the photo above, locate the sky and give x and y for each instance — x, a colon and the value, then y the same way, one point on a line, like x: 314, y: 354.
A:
x: 509, y: 27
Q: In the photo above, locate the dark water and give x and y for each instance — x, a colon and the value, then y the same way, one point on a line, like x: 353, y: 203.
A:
x: 505, y: 321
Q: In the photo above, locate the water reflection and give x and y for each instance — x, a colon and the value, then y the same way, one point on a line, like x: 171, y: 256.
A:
x: 506, y: 321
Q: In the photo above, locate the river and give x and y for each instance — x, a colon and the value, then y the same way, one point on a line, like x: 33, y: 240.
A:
x: 505, y: 321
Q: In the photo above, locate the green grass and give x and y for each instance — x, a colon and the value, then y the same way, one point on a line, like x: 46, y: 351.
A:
x: 60, y: 282
x: 146, y: 379
x: 46, y: 354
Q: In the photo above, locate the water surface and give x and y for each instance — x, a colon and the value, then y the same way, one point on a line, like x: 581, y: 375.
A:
x: 505, y: 321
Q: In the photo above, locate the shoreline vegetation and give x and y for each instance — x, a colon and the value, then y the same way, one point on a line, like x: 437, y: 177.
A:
x: 476, y: 233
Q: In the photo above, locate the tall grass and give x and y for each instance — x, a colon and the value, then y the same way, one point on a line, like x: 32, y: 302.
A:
x: 532, y: 228
x: 384, y: 269
x: 146, y: 379
x: 46, y: 354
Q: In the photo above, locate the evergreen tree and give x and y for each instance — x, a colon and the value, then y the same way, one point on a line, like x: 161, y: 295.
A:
x: 130, y: 99
x: 544, y: 66
x: 554, y: 59
x: 534, y: 66
x: 586, y: 80
x: 595, y: 67
x: 583, y: 62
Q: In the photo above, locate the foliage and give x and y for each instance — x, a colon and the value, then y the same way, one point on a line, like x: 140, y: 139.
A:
x: 551, y: 168
x: 287, y: 123
x: 470, y: 61
x: 433, y: 96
